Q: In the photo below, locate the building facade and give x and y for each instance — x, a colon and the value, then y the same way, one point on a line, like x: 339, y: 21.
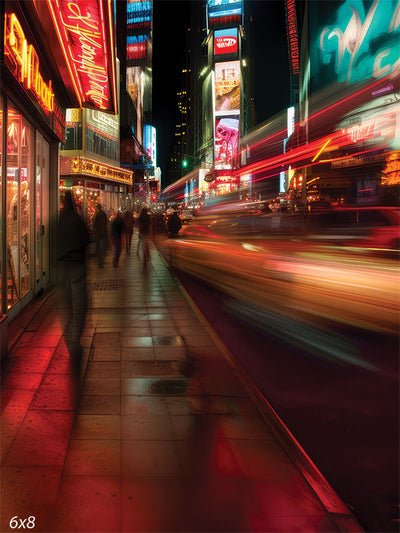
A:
x: 38, y: 82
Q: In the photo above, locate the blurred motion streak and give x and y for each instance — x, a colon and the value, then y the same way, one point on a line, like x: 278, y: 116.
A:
x: 303, y: 290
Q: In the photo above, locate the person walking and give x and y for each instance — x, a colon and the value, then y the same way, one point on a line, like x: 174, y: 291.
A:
x: 100, y: 232
x: 144, y: 225
x: 73, y: 237
x: 129, y: 222
x: 117, y: 230
x: 174, y: 225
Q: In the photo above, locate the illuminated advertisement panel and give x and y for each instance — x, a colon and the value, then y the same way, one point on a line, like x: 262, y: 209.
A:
x: 227, y: 88
x: 85, y: 32
x: 225, y: 141
x: 150, y: 142
x: 226, y: 41
x: 224, y: 12
x: 139, y: 14
x: 134, y: 85
x: 136, y: 47
x: 358, y: 41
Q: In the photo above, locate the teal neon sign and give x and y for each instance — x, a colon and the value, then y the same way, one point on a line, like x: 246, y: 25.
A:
x: 360, y: 41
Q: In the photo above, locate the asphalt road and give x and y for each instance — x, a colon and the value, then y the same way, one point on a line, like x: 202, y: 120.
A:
x: 345, y: 416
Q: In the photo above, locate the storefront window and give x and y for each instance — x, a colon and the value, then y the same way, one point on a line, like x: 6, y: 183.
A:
x: 19, y: 165
x: 92, y: 199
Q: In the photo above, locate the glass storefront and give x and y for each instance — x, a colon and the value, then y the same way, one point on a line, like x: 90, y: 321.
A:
x: 87, y: 194
x: 19, y: 183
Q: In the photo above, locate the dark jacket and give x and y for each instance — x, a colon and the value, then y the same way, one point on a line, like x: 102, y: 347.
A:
x: 174, y: 224
x: 117, y: 228
x: 73, y: 236
x: 144, y: 222
x: 100, y: 224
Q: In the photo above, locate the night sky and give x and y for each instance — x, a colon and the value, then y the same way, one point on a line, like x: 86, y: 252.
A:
x: 271, y: 63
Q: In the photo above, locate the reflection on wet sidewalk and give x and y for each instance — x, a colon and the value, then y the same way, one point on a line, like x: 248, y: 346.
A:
x: 165, y: 436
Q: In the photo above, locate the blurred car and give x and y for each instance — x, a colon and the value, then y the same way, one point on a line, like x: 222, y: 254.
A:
x: 369, y: 227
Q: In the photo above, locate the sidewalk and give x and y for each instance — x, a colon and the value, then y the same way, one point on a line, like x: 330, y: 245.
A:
x: 166, y: 436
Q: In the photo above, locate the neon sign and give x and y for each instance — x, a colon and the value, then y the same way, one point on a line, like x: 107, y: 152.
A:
x: 85, y: 33
x: 23, y: 61
x: 362, y: 42
x: 291, y: 27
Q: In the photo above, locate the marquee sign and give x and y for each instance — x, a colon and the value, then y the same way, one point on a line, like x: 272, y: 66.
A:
x: 94, y: 169
x: 85, y: 32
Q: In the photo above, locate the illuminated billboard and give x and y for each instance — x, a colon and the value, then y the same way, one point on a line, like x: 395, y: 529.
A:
x: 225, y: 12
x: 150, y: 142
x: 227, y: 88
x: 358, y: 41
x: 139, y: 14
x: 136, y: 47
x: 226, y: 41
x: 134, y: 85
x: 225, y: 141
x: 85, y: 33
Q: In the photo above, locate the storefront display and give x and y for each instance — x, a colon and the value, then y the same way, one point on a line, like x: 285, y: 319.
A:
x: 19, y: 182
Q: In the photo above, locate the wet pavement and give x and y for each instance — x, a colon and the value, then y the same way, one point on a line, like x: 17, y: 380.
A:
x: 165, y: 436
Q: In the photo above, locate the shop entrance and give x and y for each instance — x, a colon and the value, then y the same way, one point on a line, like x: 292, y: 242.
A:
x: 42, y: 213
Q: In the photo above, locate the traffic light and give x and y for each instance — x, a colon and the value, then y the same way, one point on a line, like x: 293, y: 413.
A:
x: 154, y: 197
x: 184, y: 163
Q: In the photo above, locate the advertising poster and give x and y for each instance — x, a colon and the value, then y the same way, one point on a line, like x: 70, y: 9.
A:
x: 226, y: 141
x: 227, y: 88
x: 226, y: 41
x: 134, y: 85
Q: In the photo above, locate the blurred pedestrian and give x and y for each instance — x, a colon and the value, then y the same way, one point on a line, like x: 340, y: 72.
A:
x: 174, y: 225
x: 144, y: 225
x: 129, y: 222
x: 73, y: 238
x: 100, y: 232
x: 117, y: 230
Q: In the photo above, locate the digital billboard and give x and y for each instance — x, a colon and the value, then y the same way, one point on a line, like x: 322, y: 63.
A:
x: 225, y: 12
x: 139, y: 14
x: 150, y: 142
x: 354, y: 40
x: 226, y: 41
x: 225, y: 141
x: 136, y: 47
x: 227, y: 88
